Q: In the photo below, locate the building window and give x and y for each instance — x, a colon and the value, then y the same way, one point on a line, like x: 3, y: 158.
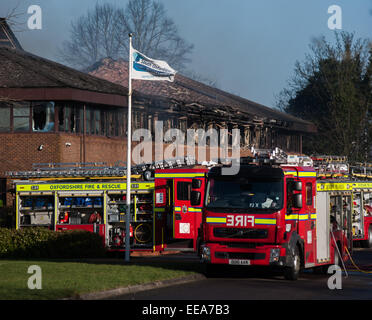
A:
x: 97, y: 119
x: 67, y: 122
x: 79, y: 120
x: 87, y: 121
x: 43, y: 117
x: 21, y: 119
x: 4, y: 119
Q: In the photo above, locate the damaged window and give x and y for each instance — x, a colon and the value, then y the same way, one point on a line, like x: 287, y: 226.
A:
x: 70, y: 118
x: 43, y: 117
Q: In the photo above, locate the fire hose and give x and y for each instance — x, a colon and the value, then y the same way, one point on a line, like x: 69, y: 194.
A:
x: 339, y: 253
x: 351, y: 259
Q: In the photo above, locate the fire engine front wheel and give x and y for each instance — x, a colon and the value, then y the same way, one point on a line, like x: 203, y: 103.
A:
x: 292, y: 271
x: 212, y: 270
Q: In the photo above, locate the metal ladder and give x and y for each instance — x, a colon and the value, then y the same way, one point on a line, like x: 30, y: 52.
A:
x: 97, y: 169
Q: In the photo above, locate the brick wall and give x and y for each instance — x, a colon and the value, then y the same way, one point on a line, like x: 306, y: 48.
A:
x: 18, y: 151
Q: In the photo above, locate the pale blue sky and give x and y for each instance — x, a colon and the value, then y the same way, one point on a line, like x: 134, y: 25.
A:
x: 248, y: 46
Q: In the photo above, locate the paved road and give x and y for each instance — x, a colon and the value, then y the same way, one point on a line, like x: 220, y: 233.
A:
x: 264, y: 284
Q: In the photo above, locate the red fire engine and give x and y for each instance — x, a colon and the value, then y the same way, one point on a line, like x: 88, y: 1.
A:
x: 267, y: 214
x: 93, y: 198
x: 275, y: 215
x: 332, y: 167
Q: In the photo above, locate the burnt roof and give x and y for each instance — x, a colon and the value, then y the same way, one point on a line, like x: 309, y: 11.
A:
x: 190, y: 92
x: 21, y: 69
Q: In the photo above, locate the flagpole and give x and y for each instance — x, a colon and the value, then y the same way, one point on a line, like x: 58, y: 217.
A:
x: 129, y: 153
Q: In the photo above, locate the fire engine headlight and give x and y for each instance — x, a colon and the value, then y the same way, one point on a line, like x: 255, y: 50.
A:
x: 274, y: 255
x: 205, y: 254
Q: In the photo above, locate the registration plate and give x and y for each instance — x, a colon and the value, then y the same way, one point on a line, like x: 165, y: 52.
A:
x: 240, y: 262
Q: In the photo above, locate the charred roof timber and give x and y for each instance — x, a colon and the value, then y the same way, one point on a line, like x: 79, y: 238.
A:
x: 7, y: 37
x: 195, y: 98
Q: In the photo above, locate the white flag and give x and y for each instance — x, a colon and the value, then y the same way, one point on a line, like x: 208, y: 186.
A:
x: 144, y: 68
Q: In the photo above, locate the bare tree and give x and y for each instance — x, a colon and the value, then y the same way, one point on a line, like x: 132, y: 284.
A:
x: 103, y: 32
x: 155, y: 34
x: 15, y: 16
x: 92, y: 37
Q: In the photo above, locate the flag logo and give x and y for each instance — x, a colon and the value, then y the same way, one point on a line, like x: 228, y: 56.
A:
x: 144, y: 68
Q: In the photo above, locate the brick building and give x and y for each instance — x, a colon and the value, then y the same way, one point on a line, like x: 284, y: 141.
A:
x: 52, y: 113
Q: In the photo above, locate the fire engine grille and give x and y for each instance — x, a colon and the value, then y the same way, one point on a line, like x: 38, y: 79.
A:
x: 240, y: 233
x: 239, y: 255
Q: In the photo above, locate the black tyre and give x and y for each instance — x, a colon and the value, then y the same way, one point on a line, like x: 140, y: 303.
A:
x: 292, y: 272
x: 212, y: 270
x: 368, y: 243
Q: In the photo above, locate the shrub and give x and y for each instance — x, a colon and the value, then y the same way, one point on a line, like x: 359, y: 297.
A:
x: 7, y: 217
x: 37, y: 242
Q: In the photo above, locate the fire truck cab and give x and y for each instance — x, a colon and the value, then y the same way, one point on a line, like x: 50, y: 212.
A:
x: 274, y: 216
x: 177, y: 223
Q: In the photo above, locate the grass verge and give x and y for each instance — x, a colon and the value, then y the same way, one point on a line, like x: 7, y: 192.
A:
x: 63, y: 279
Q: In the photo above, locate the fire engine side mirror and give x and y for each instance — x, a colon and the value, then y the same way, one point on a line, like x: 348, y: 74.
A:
x: 297, y: 186
x: 195, y: 198
x: 297, y: 201
x: 196, y: 183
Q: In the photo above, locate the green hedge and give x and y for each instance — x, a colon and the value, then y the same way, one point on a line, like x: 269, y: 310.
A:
x: 7, y: 217
x: 38, y: 242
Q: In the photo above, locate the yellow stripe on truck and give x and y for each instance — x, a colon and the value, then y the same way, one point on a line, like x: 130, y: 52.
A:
x: 216, y: 219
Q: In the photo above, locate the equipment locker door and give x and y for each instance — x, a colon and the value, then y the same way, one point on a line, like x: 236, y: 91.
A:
x: 309, y: 222
x: 183, y: 216
x: 322, y: 227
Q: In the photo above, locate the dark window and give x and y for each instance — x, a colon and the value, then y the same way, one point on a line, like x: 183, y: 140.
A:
x: 97, y: 118
x: 116, y: 124
x: 67, y: 119
x: 121, y: 120
x: 4, y: 119
x: 183, y: 190
x: 110, y: 123
x: 79, y: 119
x: 72, y: 120
x: 87, y: 121
x: 92, y: 121
x: 290, y: 194
x: 21, y: 119
x: 103, y: 123
x: 309, y: 194
x: 61, y: 118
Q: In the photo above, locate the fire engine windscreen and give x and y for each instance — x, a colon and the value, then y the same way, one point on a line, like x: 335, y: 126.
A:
x: 244, y: 194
